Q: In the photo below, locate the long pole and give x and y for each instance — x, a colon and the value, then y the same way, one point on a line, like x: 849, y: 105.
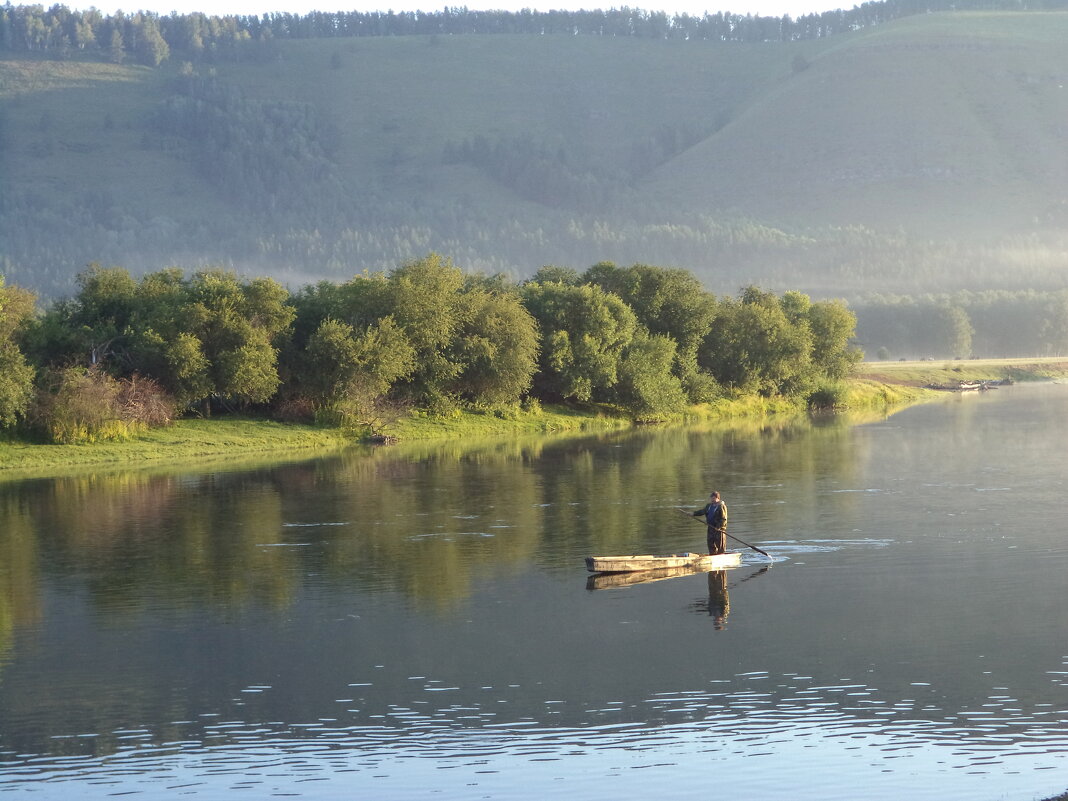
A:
x: 743, y: 542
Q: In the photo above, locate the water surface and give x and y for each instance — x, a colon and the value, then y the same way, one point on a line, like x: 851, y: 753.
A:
x: 416, y: 621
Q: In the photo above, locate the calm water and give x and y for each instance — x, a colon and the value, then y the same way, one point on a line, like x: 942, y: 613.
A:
x: 417, y: 623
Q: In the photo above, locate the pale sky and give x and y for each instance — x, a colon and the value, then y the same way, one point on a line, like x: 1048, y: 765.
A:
x: 775, y: 8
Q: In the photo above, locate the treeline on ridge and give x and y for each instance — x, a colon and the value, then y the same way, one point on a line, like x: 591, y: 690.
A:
x: 124, y: 353
x: 987, y: 324
x: 151, y: 39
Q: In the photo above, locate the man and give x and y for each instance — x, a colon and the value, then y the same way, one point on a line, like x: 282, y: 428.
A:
x: 715, y: 514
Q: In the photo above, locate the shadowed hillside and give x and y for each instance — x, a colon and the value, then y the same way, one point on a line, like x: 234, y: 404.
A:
x: 920, y: 152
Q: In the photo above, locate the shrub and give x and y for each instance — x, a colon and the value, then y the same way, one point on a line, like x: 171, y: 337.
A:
x: 144, y: 400
x: 828, y: 394
x: 78, y: 405
x: 295, y: 409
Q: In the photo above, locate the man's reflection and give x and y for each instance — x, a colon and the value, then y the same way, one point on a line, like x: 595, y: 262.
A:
x: 719, y: 600
x: 718, y: 604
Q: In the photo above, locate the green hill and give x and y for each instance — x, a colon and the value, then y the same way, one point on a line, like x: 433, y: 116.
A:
x: 948, y: 124
x: 924, y: 152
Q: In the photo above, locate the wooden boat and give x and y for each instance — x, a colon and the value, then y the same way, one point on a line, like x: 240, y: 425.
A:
x: 630, y: 564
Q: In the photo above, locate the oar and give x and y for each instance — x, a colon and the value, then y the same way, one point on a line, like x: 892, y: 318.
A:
x: 743, y: 542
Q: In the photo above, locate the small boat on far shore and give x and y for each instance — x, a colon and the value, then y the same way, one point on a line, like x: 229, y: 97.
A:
x: 630, y: 564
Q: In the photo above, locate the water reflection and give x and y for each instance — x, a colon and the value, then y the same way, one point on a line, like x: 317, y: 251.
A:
x: 719, y: 601
x: 425, y: 520
x: 605, y: 581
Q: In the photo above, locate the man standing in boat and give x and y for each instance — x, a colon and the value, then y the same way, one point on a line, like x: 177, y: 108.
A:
x: 715, y: 514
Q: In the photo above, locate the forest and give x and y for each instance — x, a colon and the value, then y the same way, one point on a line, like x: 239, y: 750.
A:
x: 151, y: 39
x: 124, y: 353
x: 961, y: 325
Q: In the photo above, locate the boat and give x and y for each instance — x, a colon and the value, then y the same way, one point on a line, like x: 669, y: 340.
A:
x: 630, y: 564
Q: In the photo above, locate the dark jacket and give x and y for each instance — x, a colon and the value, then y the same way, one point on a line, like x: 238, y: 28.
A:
x: 715, y: 514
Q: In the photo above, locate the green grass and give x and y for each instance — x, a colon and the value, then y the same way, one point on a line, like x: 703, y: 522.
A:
x: 224, y: 438
x: 865, y: 395
x: 493, y: 423
x: 948, y: 373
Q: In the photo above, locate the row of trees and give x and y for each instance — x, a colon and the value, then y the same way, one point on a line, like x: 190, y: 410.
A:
x: 989, y: 324
x: 650, y: 340
x: 150, y: 39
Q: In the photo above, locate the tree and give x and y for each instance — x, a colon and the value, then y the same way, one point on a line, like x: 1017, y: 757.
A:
x: 342, y: 365
x: 16, y: 375
x: 424, y: 299
x: 236, y: 324
x: 584, y: 331
x: 212, y: 335
x: 833, y: 326
x: 497, y: 346
x: 91, y: 328
x: 647, y: 388
x: 667, y: 302
x: 753, y: 347
x: 116, y: 47
x: 956, y: 330
x: 560, y: 275
x: 184, y: 368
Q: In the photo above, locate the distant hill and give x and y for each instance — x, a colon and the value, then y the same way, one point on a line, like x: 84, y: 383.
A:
x: 948, y: 124
x: 921, y: 153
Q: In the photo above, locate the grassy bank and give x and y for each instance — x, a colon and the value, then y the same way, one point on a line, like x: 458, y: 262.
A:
x: 185, y: 440
x: 879, y: 387
x: 949, y: 372
x: 229, y: 439
x: 496, y: 422
x: 865, y: 394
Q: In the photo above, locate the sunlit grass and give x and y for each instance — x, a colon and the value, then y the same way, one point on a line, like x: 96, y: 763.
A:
x: 476, y: 423
x: 947, y: 373
x: 185, y: 440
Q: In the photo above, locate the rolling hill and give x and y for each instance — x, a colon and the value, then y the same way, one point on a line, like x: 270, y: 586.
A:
x: 922, y: 153
x: 943, y: 124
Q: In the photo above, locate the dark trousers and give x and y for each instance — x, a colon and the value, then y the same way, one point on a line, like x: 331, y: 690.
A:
x: 717, y: 540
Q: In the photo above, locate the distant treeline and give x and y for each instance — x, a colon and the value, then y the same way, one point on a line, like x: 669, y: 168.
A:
x: 150, y: 39
x: 993, y: 324
x: 125, y: 353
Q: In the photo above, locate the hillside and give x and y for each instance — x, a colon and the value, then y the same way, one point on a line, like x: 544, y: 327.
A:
x: 920, y: 153
x: 945, y: 125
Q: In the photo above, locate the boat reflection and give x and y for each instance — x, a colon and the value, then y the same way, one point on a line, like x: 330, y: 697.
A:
x: 604, y: 581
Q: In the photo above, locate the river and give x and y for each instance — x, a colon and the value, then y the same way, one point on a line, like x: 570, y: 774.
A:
x: 416, y: 621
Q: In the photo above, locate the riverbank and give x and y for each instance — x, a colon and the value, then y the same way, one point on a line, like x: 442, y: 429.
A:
x: 881, y: 387
x: 184, y: 440
x: 950, y: 372
x: 233, y: 438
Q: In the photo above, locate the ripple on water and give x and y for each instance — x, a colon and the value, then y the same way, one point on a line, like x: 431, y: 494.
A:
x: 752, y: 716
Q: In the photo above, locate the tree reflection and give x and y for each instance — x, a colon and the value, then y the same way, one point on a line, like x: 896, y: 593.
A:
x: 20, y: 602
x: 428, y: 521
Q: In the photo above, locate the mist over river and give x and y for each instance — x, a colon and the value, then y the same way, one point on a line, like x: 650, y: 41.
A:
x: 416, y: 621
